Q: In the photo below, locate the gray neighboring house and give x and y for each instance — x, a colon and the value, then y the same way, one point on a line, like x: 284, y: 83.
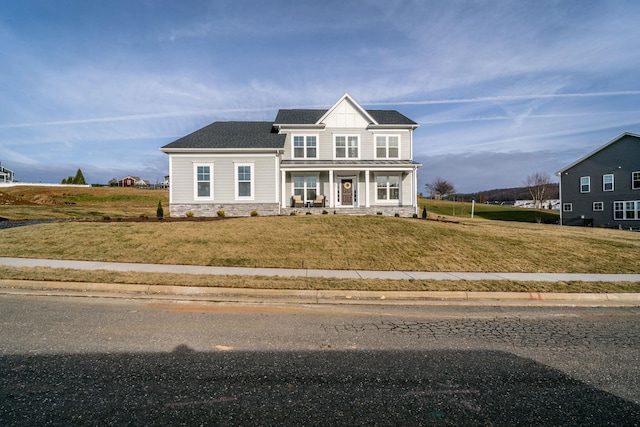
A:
x: 344, y: 159
x: 6, y: 175
x: 602, y: 189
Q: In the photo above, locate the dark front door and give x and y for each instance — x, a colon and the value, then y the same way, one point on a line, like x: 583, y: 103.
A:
x: 347, y: 192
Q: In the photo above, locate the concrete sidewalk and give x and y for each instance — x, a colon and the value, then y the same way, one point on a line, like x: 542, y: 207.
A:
x: 339, y: 274
x: 23, y: 287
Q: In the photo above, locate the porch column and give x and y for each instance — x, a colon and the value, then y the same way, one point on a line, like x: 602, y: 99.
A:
x: 367, y: 203
x: 283, y: 190
x: 331, y: 198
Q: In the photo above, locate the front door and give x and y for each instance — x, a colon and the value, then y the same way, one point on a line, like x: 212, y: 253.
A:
x: 347, y: 192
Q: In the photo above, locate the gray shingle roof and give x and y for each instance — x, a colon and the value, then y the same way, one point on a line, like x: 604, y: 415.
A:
x: 309, y: 117
x: 232, y: 135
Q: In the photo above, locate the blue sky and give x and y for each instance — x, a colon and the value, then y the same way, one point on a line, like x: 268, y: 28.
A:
x: 501, y: 89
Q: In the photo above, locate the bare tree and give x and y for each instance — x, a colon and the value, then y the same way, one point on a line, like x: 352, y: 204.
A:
x: 440, y: 187
x: 538, y: 184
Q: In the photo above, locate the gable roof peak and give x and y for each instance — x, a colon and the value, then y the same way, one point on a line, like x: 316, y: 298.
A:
x: 348, y: 98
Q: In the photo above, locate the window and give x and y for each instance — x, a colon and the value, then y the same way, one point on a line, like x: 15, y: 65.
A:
x: 387, y: 146
x: 388, y: 187
x: 305, y: 147
x: 635, y: 180
x: 607, y: 182
x: 567, y: 207
x: 626, y: 210
x: 598, y: 206
x: 203, y: 174
x: 347, y: 146
x: 585, y: 184
x: 306, y: 187
x: 244, y: 181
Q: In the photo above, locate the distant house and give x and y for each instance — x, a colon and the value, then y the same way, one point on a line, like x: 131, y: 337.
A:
x: 602, y: 189
x: 133, y: 181
x: 165, y: 183
x: 344, y: 159
x: 6, y: 175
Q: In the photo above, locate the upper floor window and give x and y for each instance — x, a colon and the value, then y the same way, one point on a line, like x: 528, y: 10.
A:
x: 347, y: 146
x: 607, y: 182
x: 203, y: 174
x: 635, y: 180
x: 244, y: 181
x: 585, y: 184
x: 305, y: 146
x: 387, y: 146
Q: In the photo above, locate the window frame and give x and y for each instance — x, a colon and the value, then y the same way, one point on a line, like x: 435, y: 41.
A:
x: 635, y: 180
x: 305, y: 146
x: 196, y: 181
x: 388, y: 188
x: 237, y: 181
x: 305, y: 186
x: 386, y: 146
x: 620, y: 210
x: 347, y: 146
x: 604, y: 182
x: 587, y: 184
x: 567, y: 207
x: 598, y: 206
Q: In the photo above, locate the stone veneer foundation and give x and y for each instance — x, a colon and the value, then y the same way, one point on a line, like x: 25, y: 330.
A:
x: 270, y: 209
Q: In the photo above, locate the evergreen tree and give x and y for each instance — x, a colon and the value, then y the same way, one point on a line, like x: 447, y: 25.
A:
x: 160, y: 211
x: 79, y: 178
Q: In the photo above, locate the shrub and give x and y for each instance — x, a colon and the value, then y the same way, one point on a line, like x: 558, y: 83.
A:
x: 424, y: 212
x: 190, y: 214
x: 254, y: 213
x: 220, y: 213
x: 324, y: 212
x: 308, y: 213
x: 415, y: 215
x: 160, y: 211
x: 396, y: 215
x: 378, y: 213
x: 293, y: 213
x: 106, y: 217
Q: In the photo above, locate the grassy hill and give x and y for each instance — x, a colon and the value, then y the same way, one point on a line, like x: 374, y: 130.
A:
x: 493, y: 212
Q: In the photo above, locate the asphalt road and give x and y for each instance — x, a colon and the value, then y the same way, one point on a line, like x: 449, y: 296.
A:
x: 97, y: 361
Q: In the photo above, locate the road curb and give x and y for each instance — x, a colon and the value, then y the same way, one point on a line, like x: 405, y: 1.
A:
x: 120, y: 290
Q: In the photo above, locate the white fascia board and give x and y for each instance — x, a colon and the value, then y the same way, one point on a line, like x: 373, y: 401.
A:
x: 222, y: 151
x: 399, y: 128
x: 290, y: 127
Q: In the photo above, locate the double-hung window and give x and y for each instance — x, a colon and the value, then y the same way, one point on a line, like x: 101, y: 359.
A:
x: 203, y: 180
x: 387, y: 146
x: 306, y: 187
x: 305, y: 146
x: 626, y: 210
x: 347, y: 146
x: 607, y: 182
x: 585, y: 184
x: 635, y: 180
x: 244, y: 181
x: 388, y: 187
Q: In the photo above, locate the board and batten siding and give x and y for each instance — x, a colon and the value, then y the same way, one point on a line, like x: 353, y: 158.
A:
x: 224, y: 177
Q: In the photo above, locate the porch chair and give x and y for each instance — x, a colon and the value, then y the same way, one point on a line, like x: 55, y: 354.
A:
x: 318, y: 202
x: 297, y: 201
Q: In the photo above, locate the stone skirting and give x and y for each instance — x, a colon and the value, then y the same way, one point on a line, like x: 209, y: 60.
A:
x: 403, y: 211
x: 230, y: 209
x: 269, y: 209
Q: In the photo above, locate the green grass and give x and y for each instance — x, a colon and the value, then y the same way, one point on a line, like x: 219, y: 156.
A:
x: 336, y: 242
x: 492, y: 212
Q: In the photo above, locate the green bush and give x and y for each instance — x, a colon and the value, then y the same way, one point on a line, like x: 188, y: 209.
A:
x: 254, y: 213
x: 190, y: 214
x: 160, y: 211
x: 221, y: 213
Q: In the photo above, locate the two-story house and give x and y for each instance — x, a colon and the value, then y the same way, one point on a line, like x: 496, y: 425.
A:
x: 602, y: 189
x: 345, y: 160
